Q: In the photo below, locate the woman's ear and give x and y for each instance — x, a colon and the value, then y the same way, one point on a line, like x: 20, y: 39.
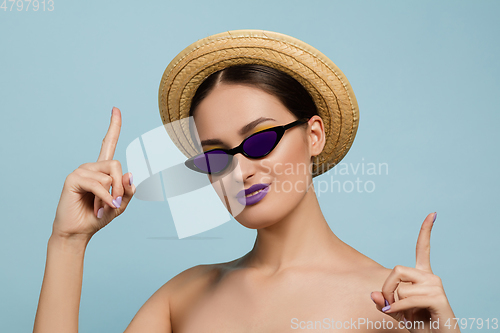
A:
x: 316, y: 135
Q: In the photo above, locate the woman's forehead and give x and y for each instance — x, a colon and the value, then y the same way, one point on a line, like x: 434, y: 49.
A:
x: 230, y: 107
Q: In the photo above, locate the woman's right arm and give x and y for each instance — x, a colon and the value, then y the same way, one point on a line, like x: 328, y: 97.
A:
x: 85, y: 207
x: 59, y: 302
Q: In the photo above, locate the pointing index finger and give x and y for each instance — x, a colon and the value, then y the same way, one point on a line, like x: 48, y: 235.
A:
x: 423, y: 251
x: 111, y: 139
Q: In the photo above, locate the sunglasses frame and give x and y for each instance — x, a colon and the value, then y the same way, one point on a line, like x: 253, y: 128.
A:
x: 280, y: 131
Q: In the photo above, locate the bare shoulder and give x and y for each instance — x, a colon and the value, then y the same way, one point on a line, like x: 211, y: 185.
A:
x: 189, y: 287
x: 192, y: 281
x: 367, y: 275
x: 378, y: 274
x: 169, y: 302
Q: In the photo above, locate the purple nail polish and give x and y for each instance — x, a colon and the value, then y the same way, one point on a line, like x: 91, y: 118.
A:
x: 386, y: 302
x: 117, y: 202
x: 435, y: 215
x: 372, y: 297
x: 131, y: 180
x: 100, y: 212
x: 384, y: 309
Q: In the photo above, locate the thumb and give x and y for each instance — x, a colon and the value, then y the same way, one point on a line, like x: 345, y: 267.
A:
x: 382, y: 304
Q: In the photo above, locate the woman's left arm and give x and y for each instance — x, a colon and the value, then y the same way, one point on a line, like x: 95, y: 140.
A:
x: 415, y: 294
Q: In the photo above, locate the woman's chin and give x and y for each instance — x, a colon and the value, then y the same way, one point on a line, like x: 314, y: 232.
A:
x: 266, y: 212
x: 257, y: 219
x: 256, y: 224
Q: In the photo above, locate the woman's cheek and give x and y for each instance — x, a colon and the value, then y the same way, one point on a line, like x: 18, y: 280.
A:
x: 267, y: 171
x: 290, y: 174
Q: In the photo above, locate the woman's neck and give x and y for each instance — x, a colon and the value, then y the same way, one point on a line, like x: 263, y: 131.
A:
x: 303, y: 237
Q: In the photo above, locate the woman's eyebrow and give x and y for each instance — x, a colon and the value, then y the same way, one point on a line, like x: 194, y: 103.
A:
x: 244, y: 130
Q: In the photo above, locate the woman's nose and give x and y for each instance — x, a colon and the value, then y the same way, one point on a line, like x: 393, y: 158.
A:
x: 244, y: 167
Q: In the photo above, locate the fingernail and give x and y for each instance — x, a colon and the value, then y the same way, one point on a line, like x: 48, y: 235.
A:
x: 131, y: 180
x: 117, y: 202
x: 384, y: 309
x: 100, y: 212
x: 405, y: 320
x: 435, y: 215
x: 386, y: 302
x: 372, y: 297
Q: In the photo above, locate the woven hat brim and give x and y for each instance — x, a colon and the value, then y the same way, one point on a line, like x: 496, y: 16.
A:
x: 328, y: 86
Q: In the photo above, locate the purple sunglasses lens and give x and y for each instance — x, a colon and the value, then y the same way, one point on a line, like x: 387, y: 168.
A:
x: 260, y: 144
x: 212, y: 162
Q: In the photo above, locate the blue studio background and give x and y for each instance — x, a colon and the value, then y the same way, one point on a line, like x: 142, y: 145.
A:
x: 426, y: 77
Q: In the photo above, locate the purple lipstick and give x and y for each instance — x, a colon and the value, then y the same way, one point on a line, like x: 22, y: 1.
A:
x: 260, y: 189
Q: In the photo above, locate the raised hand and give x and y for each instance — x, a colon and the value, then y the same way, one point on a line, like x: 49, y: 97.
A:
x: 86, y: 205
x: 416, y: 294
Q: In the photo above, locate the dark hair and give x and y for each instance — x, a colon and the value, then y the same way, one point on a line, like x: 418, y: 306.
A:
x: 273, y: 81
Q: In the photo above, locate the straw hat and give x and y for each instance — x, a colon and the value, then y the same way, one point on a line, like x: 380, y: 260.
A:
x: 327, y: 85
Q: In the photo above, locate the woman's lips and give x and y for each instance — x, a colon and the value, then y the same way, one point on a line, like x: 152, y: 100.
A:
x: 253, y: 199
x: 251, y: 189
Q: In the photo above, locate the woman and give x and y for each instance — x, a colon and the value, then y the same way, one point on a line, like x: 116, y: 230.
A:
x: 299, y: 274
